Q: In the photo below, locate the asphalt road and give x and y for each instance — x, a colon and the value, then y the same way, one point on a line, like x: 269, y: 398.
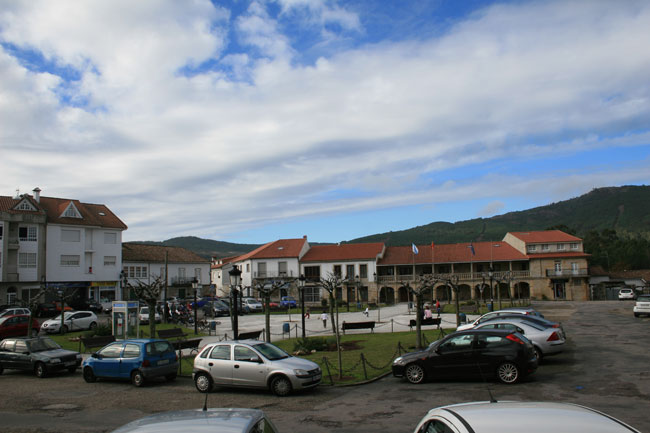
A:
x: 605, y: 366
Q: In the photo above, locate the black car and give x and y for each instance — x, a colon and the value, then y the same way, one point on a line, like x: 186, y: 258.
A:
x: 42, y: 355
x: 46, y: 310
x: 475, y: 353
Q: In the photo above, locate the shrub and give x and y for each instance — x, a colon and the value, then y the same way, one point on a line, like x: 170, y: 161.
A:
x: 103, y: 329
x: 311, y: 343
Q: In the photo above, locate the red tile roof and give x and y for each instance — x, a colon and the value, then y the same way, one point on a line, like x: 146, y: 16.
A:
x: 282, y: 248
x: 452, y: 253
x: 545, y: 236
x: 132, y: 252
x: 328, y: 253
x: 93, y: 214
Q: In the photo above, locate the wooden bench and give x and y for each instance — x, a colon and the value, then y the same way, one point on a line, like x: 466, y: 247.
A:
x: 250, y: 335
x: 96, y: 341
x: 171, y: 333
x: 192, y: 344
x: 425, y: 322
x: 358, y: 325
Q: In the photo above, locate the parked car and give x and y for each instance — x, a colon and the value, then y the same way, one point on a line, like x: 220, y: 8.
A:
x: 220, y: 308
x: 626, y: 294
x: 231, y: 420
x: 73, y: 321
x: 16, y: 326
x: 546, y: 341
x: 46, y: 309
x: 42, y: 355
x: 512, y: 313
x: 12, y: 311
x: 241, y: 310
x: 475, y: 353
x: 138, y: 360
x: 642, y: 305
x: 288, y: 302
x: 107, y: 305
x: 511, y: 417
x: 144, y: 316
x: 254, y: 306
x: 253, y: 364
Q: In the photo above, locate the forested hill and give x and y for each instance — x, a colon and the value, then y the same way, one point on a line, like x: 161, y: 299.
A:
x: 624, y: 209
x: 206, y: 247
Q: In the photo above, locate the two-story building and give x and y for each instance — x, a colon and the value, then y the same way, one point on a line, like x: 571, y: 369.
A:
x: 145, y: 263
x: 60, y: 244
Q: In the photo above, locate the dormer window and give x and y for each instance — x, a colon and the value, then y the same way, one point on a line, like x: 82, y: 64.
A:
x: 71, y: 212
x: 545, y: 247
x: 532, y: 248
x: 25, y: 205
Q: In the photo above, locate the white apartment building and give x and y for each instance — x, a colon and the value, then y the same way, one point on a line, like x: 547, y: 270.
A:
x: 60, y: 244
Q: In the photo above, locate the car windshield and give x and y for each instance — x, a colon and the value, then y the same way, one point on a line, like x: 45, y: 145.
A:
x: 67, y: 316
x: 42, y: 344
x: 643, y: 298
x: 144, y: 310
x: 271, y: 352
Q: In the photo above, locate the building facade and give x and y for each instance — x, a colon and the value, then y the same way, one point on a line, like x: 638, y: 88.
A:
x: 59, y: 244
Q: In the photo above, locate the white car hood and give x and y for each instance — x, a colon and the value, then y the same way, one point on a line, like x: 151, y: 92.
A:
x: 294, y: 363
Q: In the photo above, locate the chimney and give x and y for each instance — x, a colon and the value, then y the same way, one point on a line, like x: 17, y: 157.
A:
x: 37, y: 194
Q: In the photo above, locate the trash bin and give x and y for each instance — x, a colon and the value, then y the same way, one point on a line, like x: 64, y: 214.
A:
x: 462, y: 317
x: 285, y: 328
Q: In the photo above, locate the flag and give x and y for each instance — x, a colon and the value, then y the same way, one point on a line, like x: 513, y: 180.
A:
x: 415, y: 249
x: 471, y: 248
x: 431, y: 244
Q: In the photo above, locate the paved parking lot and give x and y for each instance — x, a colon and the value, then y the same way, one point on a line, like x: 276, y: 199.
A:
x: 606, y: 366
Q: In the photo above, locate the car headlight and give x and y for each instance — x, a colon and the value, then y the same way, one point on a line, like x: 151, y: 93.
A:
x: 55, y: 360
x: 398, y: 361
x: 301, y: 373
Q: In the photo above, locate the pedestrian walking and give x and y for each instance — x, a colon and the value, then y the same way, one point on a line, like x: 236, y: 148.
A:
x: 323, y: 317
x: 307, y: 313
x: 367, y: 312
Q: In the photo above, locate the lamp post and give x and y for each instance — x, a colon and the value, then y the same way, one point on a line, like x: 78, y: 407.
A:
x: 374, y: 277
x: 123, y: 283
x: 301, y: 282
x: 195, y: 286
x: 235, y: 275
x: 491, y: 275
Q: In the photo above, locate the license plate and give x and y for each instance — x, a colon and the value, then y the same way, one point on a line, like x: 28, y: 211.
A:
x: 163, y: 362
x: 317, y: 377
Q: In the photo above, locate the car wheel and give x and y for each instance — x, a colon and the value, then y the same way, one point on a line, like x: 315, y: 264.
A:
x: 40, y: 370
x: 137, y: 378
x: 92, y: 326
x: 508, y: 373
x: 414, y: 373
x: 539, y: 354
x: 170, y: 377
x: 89, y: 376
x: 72, y: 369
x: 203, y: 382
x: 281, y: 386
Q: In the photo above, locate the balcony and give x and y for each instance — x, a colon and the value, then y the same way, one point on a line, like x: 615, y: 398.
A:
x: 182, y: 281
x: 273, y: 274
x: 462, y: 276
x: 567, y: 272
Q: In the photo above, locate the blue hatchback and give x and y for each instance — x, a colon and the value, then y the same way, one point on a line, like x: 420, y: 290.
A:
x: 137, y: 360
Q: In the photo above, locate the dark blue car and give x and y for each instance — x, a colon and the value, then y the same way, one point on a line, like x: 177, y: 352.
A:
x: 288, y: 301
x: 137, y: 360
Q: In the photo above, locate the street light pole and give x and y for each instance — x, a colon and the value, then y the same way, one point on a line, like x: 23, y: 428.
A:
x: 195, y: 286
x: 301, y: 282
x: 491, y: 275
x: 374, y: 276
x: 235, y: 275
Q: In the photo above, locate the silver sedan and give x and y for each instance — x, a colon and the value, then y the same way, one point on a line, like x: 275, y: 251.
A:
x: 547, y: 341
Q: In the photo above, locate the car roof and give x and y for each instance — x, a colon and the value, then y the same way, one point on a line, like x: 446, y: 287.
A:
x: 488, y: 417
x: 223, y: 420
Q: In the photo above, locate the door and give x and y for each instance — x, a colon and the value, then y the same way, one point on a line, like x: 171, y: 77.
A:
x: 220, y: 365
x: 249, y: 368
x: 455, y: 356
x: 131, y: 359
x: 108, y: 360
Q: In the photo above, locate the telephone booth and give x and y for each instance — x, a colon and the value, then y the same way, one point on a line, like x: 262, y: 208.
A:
x: 125, y: 319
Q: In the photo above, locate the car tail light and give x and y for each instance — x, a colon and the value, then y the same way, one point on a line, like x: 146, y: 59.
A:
x: 513, y: 337
x: 553, y: 337
x: 146, y: 363
x: 556, y: 325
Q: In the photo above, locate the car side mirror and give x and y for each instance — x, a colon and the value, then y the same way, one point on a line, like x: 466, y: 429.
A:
x: 96, y: 355
x: 256, y: 359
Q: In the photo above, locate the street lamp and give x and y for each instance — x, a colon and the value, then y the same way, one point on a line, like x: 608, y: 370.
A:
x: 491, y: 275
x: 301, y: 282
x: 195, y: 286
x: 374, y: 277
x: 123, y: 282
x: 235, y: 276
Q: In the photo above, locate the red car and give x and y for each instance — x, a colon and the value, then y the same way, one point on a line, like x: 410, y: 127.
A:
x: 16, y: 326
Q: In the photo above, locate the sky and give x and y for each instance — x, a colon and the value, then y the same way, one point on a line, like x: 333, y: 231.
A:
x: 253, y: 120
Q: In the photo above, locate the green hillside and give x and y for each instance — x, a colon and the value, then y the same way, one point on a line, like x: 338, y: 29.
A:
x: 624, y: 209
x: 206, y: 247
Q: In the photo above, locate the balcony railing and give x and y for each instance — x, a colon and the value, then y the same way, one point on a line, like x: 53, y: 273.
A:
x: 462, y: 276
x: 567, y: 272
x: 273, y: 274
x: 182, y: 281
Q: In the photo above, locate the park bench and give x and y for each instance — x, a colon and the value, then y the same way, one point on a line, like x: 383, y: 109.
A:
x: 358, y: 325
x: 425, y: 322
x: 181, y: 343
x: 171, y: 333
x: 96, y: 341
x: 250, y: 335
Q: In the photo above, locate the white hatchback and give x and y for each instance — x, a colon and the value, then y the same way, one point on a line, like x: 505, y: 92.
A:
x: 626, y: 294
x: 73, y: 321
x: 642, y: 305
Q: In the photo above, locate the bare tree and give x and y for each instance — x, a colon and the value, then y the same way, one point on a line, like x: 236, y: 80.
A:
x: 266, y: 288
x: 332, y: 283
x: 149, y: 294
x: 423, y: 284
x: 32, y: 304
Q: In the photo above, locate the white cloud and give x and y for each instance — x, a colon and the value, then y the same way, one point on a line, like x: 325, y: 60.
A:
x: 364, y: 129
